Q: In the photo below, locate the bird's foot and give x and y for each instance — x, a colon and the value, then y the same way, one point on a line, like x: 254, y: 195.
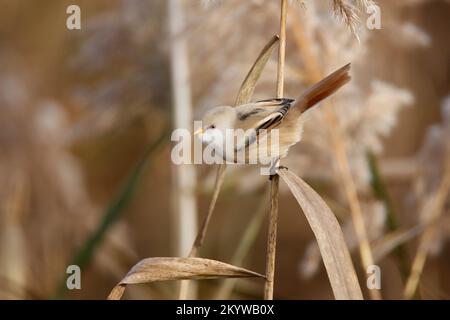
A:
x: 275, y: 171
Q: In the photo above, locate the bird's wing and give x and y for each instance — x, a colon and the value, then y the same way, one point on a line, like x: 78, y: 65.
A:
x: 274, y: 118
x: 261, y: 115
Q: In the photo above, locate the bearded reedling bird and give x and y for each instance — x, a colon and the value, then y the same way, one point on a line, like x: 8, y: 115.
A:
x: 264, y: 116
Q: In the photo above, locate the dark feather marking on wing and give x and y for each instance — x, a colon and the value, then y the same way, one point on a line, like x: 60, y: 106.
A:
x: 268, y: 124
x: 280, y: 101
x: 286, y: 105
x: 242, y: 116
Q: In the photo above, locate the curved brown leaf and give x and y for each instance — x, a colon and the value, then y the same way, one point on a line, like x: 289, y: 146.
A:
x: 248, y: 85
x: 166, y: 269
x: 330, y: 239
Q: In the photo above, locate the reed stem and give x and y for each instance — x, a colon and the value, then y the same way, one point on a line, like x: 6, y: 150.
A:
x: 275, y: 179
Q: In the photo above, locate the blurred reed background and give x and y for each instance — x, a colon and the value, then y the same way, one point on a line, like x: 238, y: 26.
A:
x: 85, y: 121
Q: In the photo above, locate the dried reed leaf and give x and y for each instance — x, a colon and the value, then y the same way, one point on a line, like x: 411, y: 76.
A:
x: 330, y: 239
x: 248, y: 86
x: 117, y: 292
x: 166, y: 269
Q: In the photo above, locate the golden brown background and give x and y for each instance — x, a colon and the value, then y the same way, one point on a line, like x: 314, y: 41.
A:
x: 79, y: 108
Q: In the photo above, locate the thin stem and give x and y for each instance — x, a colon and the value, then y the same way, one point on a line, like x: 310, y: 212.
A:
x: 427, y: 237
x: 220, y: 177
x: 202, y: 232
x: 245, y: 244
x: 275, y: 179
x: 282, y: 50
x: 272, y: 238
x: 185, y: 202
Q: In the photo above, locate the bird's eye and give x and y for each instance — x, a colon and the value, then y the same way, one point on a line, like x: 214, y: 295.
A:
x: 213, y: 126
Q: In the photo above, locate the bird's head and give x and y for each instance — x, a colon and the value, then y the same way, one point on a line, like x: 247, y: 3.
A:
x: 215, y: 123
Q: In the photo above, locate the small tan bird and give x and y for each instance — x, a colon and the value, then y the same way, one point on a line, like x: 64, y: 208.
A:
x: 259, y: 119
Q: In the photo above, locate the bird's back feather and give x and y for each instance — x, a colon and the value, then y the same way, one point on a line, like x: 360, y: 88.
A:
x: 285, y: 114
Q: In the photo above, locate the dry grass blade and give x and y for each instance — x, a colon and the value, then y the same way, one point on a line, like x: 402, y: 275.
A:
x: 248, y: 86
x: 166, y: 269
x: 245, y: 245
x: 220, y: 177
x: 202, y: 232
x: 330, y: 239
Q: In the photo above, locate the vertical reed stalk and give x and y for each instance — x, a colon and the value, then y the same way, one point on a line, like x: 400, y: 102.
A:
x: 282, y: 50
x: 272, y: 238
x: 275, y: 179
x: 185, y: 206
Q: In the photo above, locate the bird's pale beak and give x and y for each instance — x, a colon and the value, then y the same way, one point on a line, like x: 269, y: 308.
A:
x: 199, y: 132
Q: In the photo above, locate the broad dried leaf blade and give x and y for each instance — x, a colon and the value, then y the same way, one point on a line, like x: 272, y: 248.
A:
x: 166, y: 269
x: 248, y: 85
x: 330, y: 239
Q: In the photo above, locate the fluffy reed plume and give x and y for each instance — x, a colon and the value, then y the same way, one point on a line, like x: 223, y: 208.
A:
x: 115, y: 64
x: 347, y: 12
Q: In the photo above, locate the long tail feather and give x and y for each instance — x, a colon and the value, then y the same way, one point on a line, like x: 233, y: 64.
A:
x: 323, y: 89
